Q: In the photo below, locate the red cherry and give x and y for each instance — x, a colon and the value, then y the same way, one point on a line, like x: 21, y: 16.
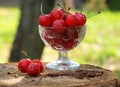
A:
x: 48, y: 33
x: 56, y: 14
x: 65, y: 15
x: 33, y: 69
x: 48, y: 40
x: 59, y: 25
x: 23, y: 64
x: 81, y: 19
x: 71, y: 20
x: 68, y: 45
x: 48, y: 36
x: 58, y: 42
x: 52, y: 38
x: 40, y: 63
x: 45, y: 20
x: 58, y: 35
x: 71, y: 34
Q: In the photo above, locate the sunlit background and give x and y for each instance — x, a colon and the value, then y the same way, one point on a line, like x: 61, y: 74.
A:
x: 100, y: 47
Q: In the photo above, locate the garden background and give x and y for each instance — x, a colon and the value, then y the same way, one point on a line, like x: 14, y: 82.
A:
x: 100, y: 47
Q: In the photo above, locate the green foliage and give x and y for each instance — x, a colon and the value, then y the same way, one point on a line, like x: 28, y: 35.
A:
x: 9, y: 18
x: 8, y: 23
x: 114, y: 5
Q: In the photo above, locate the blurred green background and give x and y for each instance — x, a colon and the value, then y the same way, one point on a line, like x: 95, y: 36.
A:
x: 100, y: 47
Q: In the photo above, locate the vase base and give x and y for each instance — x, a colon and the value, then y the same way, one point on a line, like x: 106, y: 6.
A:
x: 63, y: 65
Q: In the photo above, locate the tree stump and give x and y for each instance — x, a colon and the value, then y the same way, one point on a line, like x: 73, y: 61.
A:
x: 85, y: 76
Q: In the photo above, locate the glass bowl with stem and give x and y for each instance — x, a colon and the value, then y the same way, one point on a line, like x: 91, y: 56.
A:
x: 62, y: 41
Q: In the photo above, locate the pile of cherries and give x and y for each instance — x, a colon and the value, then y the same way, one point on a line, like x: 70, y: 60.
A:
x: 31, y: 67
x: 61, y: 28
x: 59, y: 18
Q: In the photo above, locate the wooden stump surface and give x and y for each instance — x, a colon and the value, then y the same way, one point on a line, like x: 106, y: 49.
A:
x: 85, y: 76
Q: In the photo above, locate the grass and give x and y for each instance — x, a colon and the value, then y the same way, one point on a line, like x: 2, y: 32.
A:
x: 99, y: 47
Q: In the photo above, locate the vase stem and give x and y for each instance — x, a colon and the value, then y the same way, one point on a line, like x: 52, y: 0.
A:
x: 63, y: 62
x: 63, y: 55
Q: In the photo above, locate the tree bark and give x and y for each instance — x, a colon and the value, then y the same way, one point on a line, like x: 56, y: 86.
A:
x: 27, y: 36
x: 85, y: 76
x: 113, y: 5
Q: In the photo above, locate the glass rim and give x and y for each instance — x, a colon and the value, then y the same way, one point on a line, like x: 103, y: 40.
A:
x: 63, y: 27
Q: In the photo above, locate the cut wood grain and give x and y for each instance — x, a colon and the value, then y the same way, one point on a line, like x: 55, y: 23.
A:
x: 85, y: 76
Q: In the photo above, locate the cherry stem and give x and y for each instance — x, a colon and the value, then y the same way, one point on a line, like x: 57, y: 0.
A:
x: 41, y: 8
x: 83, y: 6
x: 13, y: 72
x: 24, y: 52
x: 41, y: 77
x: 39, y: 80
x: 63, y: 2
x: 94, y: 14
x: 62, y: 6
